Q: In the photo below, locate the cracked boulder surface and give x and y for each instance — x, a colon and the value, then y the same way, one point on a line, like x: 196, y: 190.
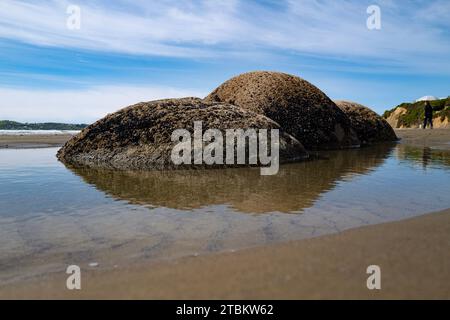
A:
x: 369, y: 126
x: 138, y: 137
x: 300, y: 108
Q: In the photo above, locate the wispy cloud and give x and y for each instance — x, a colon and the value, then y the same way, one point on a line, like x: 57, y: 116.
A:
x: 188, y: 28
x: 168, y: 28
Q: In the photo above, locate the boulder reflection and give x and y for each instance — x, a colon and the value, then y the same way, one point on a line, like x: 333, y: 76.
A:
x: 293, y: 189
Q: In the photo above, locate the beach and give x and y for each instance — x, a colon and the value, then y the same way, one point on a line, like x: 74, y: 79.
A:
x: 437, y: 138
x: 413, y: 255
x: 224, y: 150
x: 33, y: 141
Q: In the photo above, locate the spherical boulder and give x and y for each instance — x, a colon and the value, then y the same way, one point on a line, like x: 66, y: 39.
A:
x: 369, y: 126
x: 299, y: 107
x: 139, y: 137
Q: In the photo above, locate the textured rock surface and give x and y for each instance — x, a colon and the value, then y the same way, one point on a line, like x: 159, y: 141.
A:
x: 300, y: 108
x: 139, y: 137
x: 369, y: 126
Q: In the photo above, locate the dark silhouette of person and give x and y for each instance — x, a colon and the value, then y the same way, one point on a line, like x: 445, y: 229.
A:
x: 428, y: 115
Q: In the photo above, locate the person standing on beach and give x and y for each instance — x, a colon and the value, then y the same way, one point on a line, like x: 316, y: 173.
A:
x: 428, y: 115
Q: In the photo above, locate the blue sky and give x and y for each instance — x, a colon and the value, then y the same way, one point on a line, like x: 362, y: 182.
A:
x: 131, y: 51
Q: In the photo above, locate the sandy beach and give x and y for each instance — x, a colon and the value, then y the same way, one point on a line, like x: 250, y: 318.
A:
x: 414, y: 257
x: 33, y: 141
x: 436, y: 138
x: 413, y: 254
x: 224, y: 150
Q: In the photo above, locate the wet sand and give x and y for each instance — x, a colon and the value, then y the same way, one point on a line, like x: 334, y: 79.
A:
x: 414, y: 257
x: 436, y: 138
x: 33, y: 141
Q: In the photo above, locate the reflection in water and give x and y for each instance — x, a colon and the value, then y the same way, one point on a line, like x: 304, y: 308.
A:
x: 52, y: 217
x: 294, y: 188
x: 427, y: 157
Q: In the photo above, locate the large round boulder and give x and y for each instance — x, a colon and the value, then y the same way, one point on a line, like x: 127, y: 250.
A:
x: 139, y: 137
x: 299, y: 107
x: 370, y: 127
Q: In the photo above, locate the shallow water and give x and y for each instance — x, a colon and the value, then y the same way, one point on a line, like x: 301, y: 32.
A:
x: 52, y: 216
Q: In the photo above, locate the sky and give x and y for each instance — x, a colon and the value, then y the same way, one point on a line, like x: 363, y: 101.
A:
x: 76, y: 61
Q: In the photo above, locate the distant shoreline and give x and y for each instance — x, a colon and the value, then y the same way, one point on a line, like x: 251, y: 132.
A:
x: 14, y: 125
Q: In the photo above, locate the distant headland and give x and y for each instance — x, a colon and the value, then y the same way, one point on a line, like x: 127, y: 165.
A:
x: 411, y: 114
x: 13, y: 125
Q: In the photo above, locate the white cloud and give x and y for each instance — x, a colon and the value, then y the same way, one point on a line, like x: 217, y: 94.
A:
x: 210, y: 28
x: 78, y: 105
x: 159, y: 28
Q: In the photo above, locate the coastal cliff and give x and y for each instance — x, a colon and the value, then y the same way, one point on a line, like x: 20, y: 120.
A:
x: 411, y: 115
